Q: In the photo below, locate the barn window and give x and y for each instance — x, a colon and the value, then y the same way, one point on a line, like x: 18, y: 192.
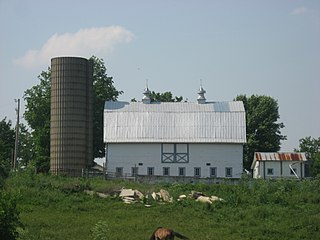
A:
x: 166, y: 171
x: 213, y: 172
x: 119, y: 171
x: 134, y: 171
x: 150, y: 171
x: 269, y: 171
x: 228, y: 172
x: 182, y: 171
x: 174, y: 153
x: 197, y: 172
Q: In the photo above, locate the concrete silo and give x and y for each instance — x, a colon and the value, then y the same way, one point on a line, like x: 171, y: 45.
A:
x: 71, y: 141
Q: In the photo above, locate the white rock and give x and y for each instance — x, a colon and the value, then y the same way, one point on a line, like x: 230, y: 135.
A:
x: 204, y: 199
x: 139, y: 194
x: 182, y: 196
x: 165, y: 196
x: 215, y: 198
x: 126, y: 193
x: 154, y: 195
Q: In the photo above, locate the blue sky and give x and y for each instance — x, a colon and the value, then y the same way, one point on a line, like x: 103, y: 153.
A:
x: 235, y: 46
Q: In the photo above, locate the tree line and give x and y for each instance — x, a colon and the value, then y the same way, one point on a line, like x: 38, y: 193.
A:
x: 263, y: 131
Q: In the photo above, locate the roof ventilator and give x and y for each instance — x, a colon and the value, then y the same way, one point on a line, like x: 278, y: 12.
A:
x: 146, y: 96
x: 201, y: 98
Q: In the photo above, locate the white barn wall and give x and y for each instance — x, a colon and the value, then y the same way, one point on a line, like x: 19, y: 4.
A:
x: 128, y: 155
x: 219, y: 155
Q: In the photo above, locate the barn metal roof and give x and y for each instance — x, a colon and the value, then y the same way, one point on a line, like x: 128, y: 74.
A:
x: 278, y: 156
x: 217, y: 122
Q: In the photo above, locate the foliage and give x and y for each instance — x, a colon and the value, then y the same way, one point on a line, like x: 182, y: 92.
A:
x: 263, y: 130
x: 104, y: 90
x: 26, y: 146
x: 4, y: 170
x: 315, y: 167
x: 101, y: 231
x: 311, y: 146
x: 57, y: 208
x: 7, y: 138
x: 40, y: 164
x: 9, y: 216
x: 37, y: 113
x: 164, y: 97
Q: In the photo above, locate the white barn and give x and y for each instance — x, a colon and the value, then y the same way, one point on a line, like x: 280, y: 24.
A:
x: 268, y: 165
x: 171, y: 139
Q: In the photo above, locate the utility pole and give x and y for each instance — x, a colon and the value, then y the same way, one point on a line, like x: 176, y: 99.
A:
x: 17, y: 136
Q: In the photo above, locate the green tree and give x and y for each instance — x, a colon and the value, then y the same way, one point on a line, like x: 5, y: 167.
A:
x: 7, y: 139
x: 37, y: 112
x: 26, y: 146
x: 262, y: 126
x: 104, y: 90
x: 164, y: 97
x: 9, y: 215
x: 311, y: 146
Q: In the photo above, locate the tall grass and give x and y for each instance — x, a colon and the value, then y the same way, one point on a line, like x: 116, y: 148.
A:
x: 57, y: 208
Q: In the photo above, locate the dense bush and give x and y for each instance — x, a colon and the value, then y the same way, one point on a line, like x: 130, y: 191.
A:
x: 4, y: 170
x: 9, y: 216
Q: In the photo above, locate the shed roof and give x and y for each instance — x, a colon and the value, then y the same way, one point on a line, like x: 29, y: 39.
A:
x: 218, y: 122
x: 278, y: 156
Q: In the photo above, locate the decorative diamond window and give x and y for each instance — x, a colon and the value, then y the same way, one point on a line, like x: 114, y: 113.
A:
x: 269, y: 171
x: 174, y: 153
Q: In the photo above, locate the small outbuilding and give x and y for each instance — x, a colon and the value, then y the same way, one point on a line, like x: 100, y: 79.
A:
x: 269, y: 165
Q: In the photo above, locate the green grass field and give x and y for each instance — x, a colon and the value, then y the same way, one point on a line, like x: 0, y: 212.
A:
x: 57, y: 208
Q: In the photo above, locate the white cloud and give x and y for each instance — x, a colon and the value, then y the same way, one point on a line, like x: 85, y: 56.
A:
x: 85, y: 43
x: 298, y: 11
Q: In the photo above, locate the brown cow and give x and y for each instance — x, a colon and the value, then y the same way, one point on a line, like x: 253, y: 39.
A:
x: 165, y: 234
